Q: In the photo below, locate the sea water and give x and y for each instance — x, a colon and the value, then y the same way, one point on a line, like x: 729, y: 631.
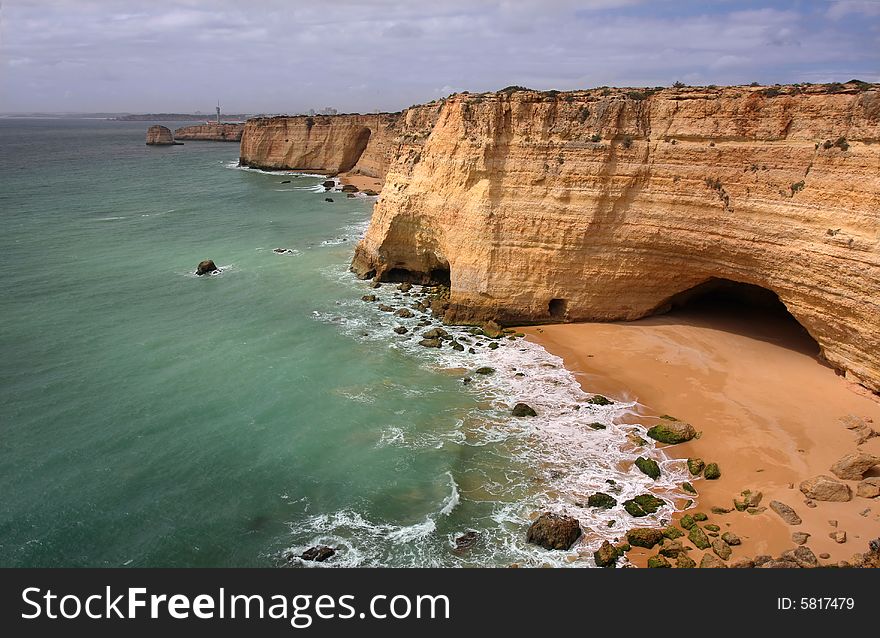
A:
x: 149, y: 417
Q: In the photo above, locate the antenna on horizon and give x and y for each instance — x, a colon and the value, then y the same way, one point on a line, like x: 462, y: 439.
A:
x: 218, y: 110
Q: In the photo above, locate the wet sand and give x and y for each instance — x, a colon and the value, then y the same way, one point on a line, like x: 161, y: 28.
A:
x: 769, y: 411
x: 363, y: 182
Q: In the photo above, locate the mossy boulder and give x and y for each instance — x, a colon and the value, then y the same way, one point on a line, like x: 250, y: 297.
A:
x: 648, y: 467
x: 696, y: 466
x: 687, y: 521
x: 523, y: 410
x: 644, y: 537
x: 687, y: 487
x: 700, y: 517
x: 722, y: 550
x: 730, y: 538
x: 642, y: 505
x: 486, y: 370
x: 656, y: 562
x: 554, y: 531
x: 601, y: 500
x: 672, y: 532
x: 698, y: 537
x: 712, y: 472
x: 712, y: 527
x: 598, y: 399
x: 597, y: 426
x: 606, y: 555
x: 672, y: 432
x: 672, y: 549
x: 683, y: 561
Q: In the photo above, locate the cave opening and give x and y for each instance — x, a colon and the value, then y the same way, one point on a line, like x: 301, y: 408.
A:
x: 743, y: 308
x: 438, y: 276
x: 557, y: 308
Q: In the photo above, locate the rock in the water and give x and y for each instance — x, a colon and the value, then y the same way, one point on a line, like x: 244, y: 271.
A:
x: 485, y: 370
x: 687, y: 487
x: 401, y: 330
x: 803, y: 556
x: 648, y: 467
x: 658, y: 562
x: 430, y: 343
x: 711, y: 562
x: 799, y: 538
x: 370, y: 192
x: 825, y: 488
x: 206, y: 267
x: 435, y: 333
x: 328, y: 199
x: 785, y: 512
x: 328, y: 184
x: 730, y: 538
x: 160, y: 136
x: 385, y: 308
x: 869, y: 488
x: 598, y: 399
x: 642, y: 505
x: 695, y: 466
x: 350, y: 188
x: 722, y: 550
x: 318, y: 553
x: 284, y: 181
x: 601, y: 500
x: 369, y: 298
x: 554, y: 531
x: 405, y: 287
x: 405, y: 313
x: 712, y: 472
x: 698, y: 537
x: 853, y: 466
x: 838, y: 537
x: 606, y: 555
x: 466, y: 540
x: 672, y: 432
x: 523, y: 410
x: 374, y: 284
x: 492, y: 330
x: 644, y: 537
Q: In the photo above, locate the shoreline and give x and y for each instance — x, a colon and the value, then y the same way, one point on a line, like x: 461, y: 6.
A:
x: 362, y: 182
x: 769, y: 412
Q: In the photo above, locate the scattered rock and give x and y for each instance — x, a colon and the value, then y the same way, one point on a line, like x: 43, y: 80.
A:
x: 644, y: 537
x: 318, y: 553
x: 672, y: 432
x: 761, y: 559
x: 803, y: 556
x: 349, y: 188
x: 370, y: 192
x: 712, y: 527
x: 658, y: 562
x: 597, y: 426
x: 635, y: 439
x: 401, y: 330
x: 328, y: 199
x: 779, y: 564
x: 523, y: 410
x: 838, y: 537
x: 466, y: 540
x: 601, y: 500
x: 374, y: 284
x: 832, y: 523
x: 695, y: 466
x: 687, y: 521
x: 672, y: 532
x: 799, y: 538
x: 405, y: 287
x: 720, y: 510
x: 485, y: 370
x: 683, y: 561
x: 672, y: 549
x: 712, y: 472
x: 598, y: 399
x: 642, y: 505
x: 699, y: 516
x: 457, y: 346
x: 385, y: 308
x: 492, y: 330
x: 743, y: 563
x: 206, y: 267
x: 853, y: 466
x: 606, y: 555
x: 711, y: 562
x: 284, y: 181
x: 554, y: 531
x: 405, y: 313
x: 369, y: 298
x: 698, y: 537
x: 435, y: 333
x: 430, y: 343
x: 730, y: 538
x: 824, y: 555
x: 329, y: 184
x: 825, y: 488
x: 785, y: 513
x: 687, y: 487
x: 869, y: 488
x: 722, y: 550
x: 648, y: 467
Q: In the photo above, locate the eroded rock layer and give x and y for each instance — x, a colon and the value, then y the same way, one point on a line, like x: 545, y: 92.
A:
x: 210, y: 132
x: 159, y: 136
x: 603, y: 205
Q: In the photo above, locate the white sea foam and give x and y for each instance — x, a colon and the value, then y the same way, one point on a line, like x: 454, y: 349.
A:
x: 453, y: 499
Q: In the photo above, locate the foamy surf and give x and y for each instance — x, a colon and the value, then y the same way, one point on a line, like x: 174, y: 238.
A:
x: 557, y: 459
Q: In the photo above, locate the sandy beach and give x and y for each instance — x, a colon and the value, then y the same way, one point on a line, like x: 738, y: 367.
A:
x: 769, y: 411
x: 363, y: 182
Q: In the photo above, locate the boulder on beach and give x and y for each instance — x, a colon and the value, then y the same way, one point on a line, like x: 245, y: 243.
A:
x: 601, y: 500
x: 826, y: 488
x: 206, y: 267
x: 644, y: 537
x: 785, y: 512
x: 642, y: 505
x: 648, y: 467
x: 350, y: 188
x: 869, y: 488
x: 370, y: 192
x: 430, y: 343
x: 521, y: 410
x: 554, y: 531
x: 695, y: 466
x: 852, y: 467
x: 328, y: 184
x: 318, y: 553
x: 672, y: 432
x: 606, y: 555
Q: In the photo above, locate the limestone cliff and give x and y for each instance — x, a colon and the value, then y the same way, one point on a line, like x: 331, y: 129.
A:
x: 210, y: 132
x: 160, y: 136
x: 605, y: 204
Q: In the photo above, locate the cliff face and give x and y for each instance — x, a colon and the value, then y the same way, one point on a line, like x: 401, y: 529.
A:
x: 604, y: 205
x: 159, y: 136
x: 211, y: 132
x: 360, y: 144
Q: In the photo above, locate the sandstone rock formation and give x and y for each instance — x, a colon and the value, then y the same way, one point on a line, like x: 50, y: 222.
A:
x: 160, y: 136
x: 211, y: 132
x: 610, y: 204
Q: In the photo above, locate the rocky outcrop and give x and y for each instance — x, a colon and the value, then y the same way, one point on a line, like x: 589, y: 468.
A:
x: 160, y: 136
x: 210, y: 132
x: 554, y: 531
x: 610, y: 204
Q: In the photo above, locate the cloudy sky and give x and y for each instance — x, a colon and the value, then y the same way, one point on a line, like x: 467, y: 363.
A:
x: 361, y: 55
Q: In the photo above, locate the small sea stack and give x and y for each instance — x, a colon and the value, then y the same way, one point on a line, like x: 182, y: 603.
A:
x: 206, y: 267
x: 160, y: 136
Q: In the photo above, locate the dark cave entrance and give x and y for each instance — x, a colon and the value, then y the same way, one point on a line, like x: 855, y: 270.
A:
x: 743, y: 308
x: 557, y: 308
x: 439, y: 276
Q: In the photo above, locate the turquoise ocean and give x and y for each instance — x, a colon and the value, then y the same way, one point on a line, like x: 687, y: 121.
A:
x: 149, y: 417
